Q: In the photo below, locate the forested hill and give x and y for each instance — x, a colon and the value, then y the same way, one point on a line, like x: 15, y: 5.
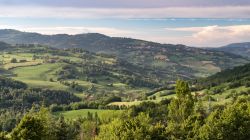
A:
x: 4, y: 45
x: 242, y: 49
x: 236, y: 77
x: 17, y: 96
x: 57, y: 41
x: 172, y: 60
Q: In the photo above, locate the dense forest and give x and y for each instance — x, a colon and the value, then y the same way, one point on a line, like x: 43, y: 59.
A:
x: 237, y: 76
x: 183, y: 117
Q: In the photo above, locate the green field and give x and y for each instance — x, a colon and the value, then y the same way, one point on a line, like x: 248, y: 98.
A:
x: 42, y: 73
x: 38, y: 76
x: 103, y: 114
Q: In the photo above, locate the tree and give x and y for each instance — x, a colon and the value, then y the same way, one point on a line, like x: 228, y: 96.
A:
x: 88, y: 129
x: 30, y: 128
x: 181, y: 110
x: 13, y: 60
x: 181, y: 107
x: 34, y: 125
x: 3, y: 136
x: 61, y: 130
x: 231, y: 123
x: 131, y: 128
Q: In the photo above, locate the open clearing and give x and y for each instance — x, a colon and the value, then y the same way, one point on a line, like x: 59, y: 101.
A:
x: 38, y: 76
x: 103, y: 114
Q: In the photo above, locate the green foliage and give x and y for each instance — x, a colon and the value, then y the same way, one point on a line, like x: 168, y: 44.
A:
x: 238, y: 76
x: 41, y: 125
x: 8, y: 83
x: 155, y: 58
x: 136, y: 128
x: 61, y: 128
x: 3, y: 136
x: 231, y: 123
x: 13, y: 60
x: 180, y: 114
x: 143, y: 122
x: 32, y: 126
x: 16, y: 98
x: 104, y: 79
x: 181, y: 107
x: 237, y: 48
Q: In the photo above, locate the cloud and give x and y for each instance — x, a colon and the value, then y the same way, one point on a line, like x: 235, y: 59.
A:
x: 212, y: 36
x: 70, y: 30
x: 165, y: 12
x: 126, y: 3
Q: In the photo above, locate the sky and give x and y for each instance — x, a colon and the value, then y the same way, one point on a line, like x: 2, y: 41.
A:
x: 197, y: 23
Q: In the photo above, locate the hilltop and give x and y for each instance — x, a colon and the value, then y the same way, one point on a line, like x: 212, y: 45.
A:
x: 242, y: 49
x: 171, y: 61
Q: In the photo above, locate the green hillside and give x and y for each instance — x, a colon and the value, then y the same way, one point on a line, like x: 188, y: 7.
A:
x: 93, y: 95
x: 93, y: 75
x: 75, y: 70
x: 242, y: 49
x: 170, y: 60
x: 226, y: 85
x: 96, y: 88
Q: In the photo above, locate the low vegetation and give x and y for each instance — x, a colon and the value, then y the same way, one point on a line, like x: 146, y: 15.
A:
x: 48, y: 93
x: 183, y: 117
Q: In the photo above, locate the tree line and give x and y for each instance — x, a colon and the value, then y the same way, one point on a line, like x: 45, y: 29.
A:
x: 183, y: 117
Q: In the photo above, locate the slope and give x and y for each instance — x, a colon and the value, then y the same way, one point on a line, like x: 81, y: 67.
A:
x: 171, y: 61
x: 242, y: 49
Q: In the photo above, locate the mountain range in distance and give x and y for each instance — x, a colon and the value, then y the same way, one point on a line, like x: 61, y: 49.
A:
x: 172, y: 60
x: 93, y: 39
x: 242, y: 49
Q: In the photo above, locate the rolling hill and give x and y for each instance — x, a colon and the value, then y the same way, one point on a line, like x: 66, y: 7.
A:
x: 171, y: 61
x: 242, y: 49
x: 76, y: 70
x: 238, y: 76
x: 76, y: 83
x: 226, y: 85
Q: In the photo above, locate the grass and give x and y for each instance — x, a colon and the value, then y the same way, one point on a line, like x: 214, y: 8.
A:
x: 35, y: 73
x: 126, y: 103
x: 103, y: 114
x: 38, y: 76
x: 24, y: 64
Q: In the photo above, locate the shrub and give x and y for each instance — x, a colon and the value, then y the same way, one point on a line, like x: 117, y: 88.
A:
x: 13, y: 60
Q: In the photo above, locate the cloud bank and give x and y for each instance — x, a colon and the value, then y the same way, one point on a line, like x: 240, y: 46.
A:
x: 126, y: 3
x: 165, y: 12
x: 212, y: 36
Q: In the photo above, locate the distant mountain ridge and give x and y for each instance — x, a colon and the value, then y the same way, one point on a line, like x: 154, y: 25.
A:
x: 58, y: 40
x: 172, y: 60
x: 242, y: 49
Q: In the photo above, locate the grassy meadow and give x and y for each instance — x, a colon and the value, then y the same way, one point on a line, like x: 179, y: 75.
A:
x: 103, y: 114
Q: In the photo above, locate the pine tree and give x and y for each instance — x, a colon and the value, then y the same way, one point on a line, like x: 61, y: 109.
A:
x: 61, y: 129
x: 181, y: 110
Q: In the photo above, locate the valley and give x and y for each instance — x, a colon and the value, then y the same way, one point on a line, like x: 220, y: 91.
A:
x: 114, y: 78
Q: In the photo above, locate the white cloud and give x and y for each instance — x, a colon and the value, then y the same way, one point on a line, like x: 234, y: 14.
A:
x: 176, y: 12
x: 212, y: 36
x: 191, y: 29
x: 70, y: 30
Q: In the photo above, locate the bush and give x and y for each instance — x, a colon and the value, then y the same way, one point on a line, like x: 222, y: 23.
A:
x: 247, y: 84
x: 167, y: 93
x: 13, y: 60
x: 23, y: 60
x: 234, y: 85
